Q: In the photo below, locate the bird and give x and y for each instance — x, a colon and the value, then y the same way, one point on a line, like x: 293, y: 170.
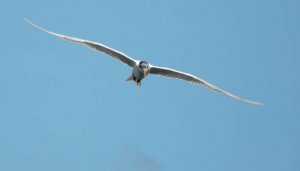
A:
x: 141, y: 68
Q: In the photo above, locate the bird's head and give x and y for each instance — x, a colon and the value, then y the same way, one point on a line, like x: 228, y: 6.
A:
x: 145, y: 66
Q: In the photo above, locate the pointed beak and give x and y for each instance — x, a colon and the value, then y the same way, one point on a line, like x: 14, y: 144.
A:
x: 145, y: 72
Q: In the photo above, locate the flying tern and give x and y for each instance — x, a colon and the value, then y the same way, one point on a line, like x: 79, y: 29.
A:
x: 141, y: 68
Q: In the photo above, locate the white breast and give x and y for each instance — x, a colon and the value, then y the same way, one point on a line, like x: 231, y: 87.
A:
x: 138, y: 72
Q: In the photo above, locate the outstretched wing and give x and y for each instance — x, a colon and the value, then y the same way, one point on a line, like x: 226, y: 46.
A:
x: 167, y: 72
x: 98, y: 46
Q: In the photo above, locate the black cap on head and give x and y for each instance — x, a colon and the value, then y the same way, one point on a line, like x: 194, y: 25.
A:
x: 143, y: 64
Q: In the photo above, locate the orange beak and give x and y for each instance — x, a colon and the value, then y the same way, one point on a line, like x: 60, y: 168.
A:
x: 145, y: 72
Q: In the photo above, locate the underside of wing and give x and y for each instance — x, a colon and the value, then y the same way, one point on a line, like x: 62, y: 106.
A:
x: 94, y: 45
x: 167, y: 72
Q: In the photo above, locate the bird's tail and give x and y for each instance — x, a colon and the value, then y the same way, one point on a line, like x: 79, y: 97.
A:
x: 138, y: 83
x: 130, y: 78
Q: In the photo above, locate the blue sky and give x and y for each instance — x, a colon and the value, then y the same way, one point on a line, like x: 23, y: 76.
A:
x: 66, y: 107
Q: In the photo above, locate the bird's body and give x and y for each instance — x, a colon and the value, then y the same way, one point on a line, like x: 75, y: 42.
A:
x: 139, y: 72
x: 140, y: 68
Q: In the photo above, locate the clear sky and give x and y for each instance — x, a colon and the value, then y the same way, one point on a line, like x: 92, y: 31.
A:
x: 64, y: 107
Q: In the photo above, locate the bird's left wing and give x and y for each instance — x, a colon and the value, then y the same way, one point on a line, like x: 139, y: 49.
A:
x: 94, y: 45
x: 167, y: 72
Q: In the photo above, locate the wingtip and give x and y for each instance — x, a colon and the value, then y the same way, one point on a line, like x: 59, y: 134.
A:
x: 261, y: 104
x: 258, y: 104
x: 253, y: 102
x: 38, y: 27
x: 243, y: 100
x: 28, y: 21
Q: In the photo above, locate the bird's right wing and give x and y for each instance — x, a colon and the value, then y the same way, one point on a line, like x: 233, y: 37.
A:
x: 167, y: 72
x: 94, y: 45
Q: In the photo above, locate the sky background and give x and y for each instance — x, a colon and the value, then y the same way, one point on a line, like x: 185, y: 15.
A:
x: 64, y: 107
